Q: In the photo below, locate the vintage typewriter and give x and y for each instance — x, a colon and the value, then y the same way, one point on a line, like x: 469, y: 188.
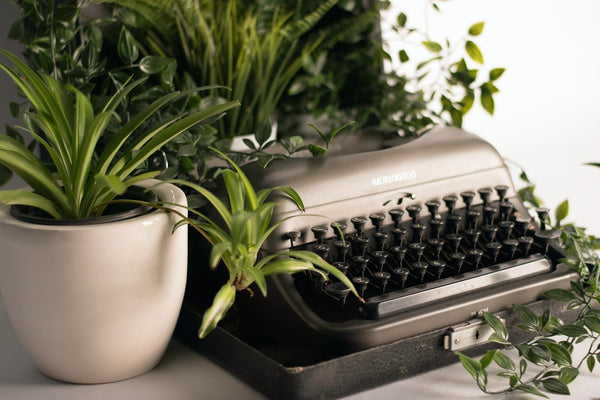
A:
x: 431, y: 232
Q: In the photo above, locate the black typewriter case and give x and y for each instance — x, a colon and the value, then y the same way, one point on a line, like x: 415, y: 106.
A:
x: 287, y: 368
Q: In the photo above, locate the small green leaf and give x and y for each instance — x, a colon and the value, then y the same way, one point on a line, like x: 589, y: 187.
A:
x: 559, y: 354
x: 317, y: 151
x: 496, y: 73
x: 403, y: 56
x: 401, y: 19
x: 571, y: 330
x: 559, y: 295
x: 554, y: 385
x: 126, y: 47
x: 153, y: 64
x: 222, y: 302
x: 474, y: 52
x: 487, y: 358
x: 568, y: 374
x: 591, y: 363
x: 504, y: 361
x: 497, y: 325
x: 476, y: 29
x: 432, y: 46
x: 531, y: 390
x: 487, y: 102
x: 526, y: 314
x: 561, y: 211
x: 472, y: 366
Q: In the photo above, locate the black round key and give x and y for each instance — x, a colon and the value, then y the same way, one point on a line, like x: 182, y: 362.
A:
x: 322, y: 250
x: 456, y: 260
x: 342, y: 266
x: 542, y: 213
x: 380, y: 257
x: 417, y: 250
x: 401, y: 275
x: 467, y: 198
x: 522, y: 224
x: 420, y: 268
x: 525, y: 243
x: 436, y: 245
x: 360, y: 245
x: 398, y: 253
x: 489, y: 213
x: 453, y: 221
x: 377, y: 220
x: 484, y: 194
x: 396, y: 215
x: 359, y: 224
x: 506, y: 228
x: 493, y: 249
x: 381, y: 278
x: 361, y: 263
x: 454, y: 240
x: 505, y: 209
x: 338, y: 291
x: 360, y: 283
x: 293, y: 236
x: 338, y: 228
x: 472, y: 218
x: 342, y: 247
x: 437, y: 268
x: 546, y: 236
x: 417, y: 232
x: 473, y: 236
x: 413, y: 211
x: 450, y: 202
x: 436, y: 226
x: 381, y: 239
x: 319, y: 232
x: 475, y: 257
x: 489, y: 232
x: 510, y: 246
x: 433, y: 207
x: 501, y: 190
x: 399, y: 235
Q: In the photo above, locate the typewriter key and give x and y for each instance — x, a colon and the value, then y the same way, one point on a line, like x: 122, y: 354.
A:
x: 420, y: 268
x: 437, y: 267
x: 401, y: 275
x: 396, y: 215
x: 484, y: 194
x: 467, y: 198
x: 450, y: 202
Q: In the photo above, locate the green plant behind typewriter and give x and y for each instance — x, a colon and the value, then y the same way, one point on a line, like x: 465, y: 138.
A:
x: 246, y: 224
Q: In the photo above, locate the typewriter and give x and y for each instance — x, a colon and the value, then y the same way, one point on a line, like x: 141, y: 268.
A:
x: 431, y: 232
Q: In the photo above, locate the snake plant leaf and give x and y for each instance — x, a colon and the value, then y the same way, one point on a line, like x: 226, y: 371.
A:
x: 24, y: 197
x: 221, y: 304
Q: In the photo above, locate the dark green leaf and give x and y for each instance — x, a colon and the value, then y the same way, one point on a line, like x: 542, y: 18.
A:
x: 497, y: 325
x: 472, y: 366
x: 591, y: 363
x: 153, y: 64
x: 568, y: 374
x: 487, y: 102
x: 317, y: 151
x: 401, y: 19
x: 554, y: 385
x: 571, y: 330
x: 403, y: 56
x: 504, y: 361
x: 531, y: 390
x: 126, y: 47
x: 541, y: 352
x: 476, y: 29
x: 487, y: 358
x: 526, y: 314
x: 496, y: 73
x: 593, y: 323
x: 559, y: 354
x: 474, y: 52
x: 15, y: 109
x: 560, y: 295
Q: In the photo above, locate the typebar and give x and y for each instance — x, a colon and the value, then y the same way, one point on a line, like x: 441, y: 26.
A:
x: 403, y: 300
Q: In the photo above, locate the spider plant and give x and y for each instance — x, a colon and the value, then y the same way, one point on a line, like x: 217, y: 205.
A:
x: 62, y: 120
x: 237, y: 240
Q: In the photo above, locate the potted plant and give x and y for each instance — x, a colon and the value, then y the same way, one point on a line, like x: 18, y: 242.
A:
x: 91, y: 301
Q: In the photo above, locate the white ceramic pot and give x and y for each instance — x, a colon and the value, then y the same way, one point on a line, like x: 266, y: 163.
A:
x: 95, y: 303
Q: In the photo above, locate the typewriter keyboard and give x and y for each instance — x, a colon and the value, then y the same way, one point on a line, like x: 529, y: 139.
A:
x: 413, y: 255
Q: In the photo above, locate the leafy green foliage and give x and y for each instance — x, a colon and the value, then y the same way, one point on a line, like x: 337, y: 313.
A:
x: 545, y: 362
x: 237, y: 240
x: 62, y: 120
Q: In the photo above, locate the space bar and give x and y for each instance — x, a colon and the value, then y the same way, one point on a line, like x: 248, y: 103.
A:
x: 402, y: 300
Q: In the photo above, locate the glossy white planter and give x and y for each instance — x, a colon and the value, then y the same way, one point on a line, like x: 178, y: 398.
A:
x: 95, y: 303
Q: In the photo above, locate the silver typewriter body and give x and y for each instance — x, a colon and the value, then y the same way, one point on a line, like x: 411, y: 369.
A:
x: 442, y: 162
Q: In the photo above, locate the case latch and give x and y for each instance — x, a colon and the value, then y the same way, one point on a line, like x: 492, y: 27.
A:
x: 468, y: 334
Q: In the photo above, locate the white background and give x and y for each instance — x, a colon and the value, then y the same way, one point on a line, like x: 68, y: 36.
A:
x: 547, y: 112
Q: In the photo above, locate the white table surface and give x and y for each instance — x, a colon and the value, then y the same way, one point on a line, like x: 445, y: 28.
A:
x: 185, y: 374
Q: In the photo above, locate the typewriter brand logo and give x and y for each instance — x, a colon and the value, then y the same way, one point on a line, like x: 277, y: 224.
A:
x: 399, y: 177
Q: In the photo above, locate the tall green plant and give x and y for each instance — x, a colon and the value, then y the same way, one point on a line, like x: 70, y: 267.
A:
x: 63, y: 121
